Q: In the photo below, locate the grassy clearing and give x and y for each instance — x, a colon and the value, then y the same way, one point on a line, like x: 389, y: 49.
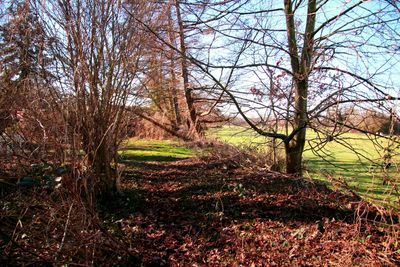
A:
x: 154, y: 150
x: 337, y: 161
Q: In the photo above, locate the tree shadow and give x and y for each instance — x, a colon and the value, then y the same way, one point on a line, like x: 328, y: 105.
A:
x: 197, y: 187
x: 192, y: 199
x: 363, y: 179
x: 148, y: 158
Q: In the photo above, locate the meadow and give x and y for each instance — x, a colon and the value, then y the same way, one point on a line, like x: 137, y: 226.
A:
x: 360, y: 168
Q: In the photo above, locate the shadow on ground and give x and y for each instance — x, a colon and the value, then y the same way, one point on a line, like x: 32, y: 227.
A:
x: 186, y: 211
x: 364, y: 179
x: 147, y: 158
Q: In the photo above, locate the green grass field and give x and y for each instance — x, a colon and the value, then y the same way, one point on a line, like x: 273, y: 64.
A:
x: 154, y: 150
x: 351, y: 166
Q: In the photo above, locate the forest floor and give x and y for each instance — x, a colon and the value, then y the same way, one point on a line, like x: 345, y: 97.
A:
x: 200, y: 212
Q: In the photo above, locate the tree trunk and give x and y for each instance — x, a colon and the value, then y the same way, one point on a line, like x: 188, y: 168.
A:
x: 173, y: 81
x: 301, y: 68
x: 294, y: 153
x: 195, y: 129
x: 104, y: 175
x: 294, y: 148
x: 174, y: 93
x: 107, y: 175
x: 100, y: 148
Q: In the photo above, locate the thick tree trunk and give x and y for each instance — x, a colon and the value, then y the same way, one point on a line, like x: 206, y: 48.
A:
x: 294, y: 153
x: 294, y: 148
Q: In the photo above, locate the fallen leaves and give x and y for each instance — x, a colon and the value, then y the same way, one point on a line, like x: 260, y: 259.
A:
x: 195, y: 213
x: 240, y: 218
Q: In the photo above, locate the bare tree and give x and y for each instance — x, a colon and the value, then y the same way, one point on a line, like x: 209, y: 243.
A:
x: 97, y: 51
x: 194, y: 124
x: 307, y: 56
x: 160, y: 82
x: 187, y: 104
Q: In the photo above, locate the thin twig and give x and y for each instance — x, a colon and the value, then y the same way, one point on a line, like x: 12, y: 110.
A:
x: 65, y: 232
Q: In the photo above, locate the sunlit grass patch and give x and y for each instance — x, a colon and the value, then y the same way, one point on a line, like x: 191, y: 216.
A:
x: 359, y: 172
x: 236, y: 135
x: 154, y: 150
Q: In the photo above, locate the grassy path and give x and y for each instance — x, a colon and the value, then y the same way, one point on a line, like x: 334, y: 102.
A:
x: 155, y: 150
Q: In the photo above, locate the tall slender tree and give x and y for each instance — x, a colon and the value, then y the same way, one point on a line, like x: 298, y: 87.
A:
x: 195, y: 128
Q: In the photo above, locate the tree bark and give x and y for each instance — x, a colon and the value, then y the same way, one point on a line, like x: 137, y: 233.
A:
x: 195, y: 128
x: 294, y: 157
x: 173, y: 81
x: 106, y: 176
x: 301, y: 68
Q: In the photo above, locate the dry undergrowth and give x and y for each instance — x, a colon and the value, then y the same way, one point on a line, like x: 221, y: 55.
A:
x: 41, y: 227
